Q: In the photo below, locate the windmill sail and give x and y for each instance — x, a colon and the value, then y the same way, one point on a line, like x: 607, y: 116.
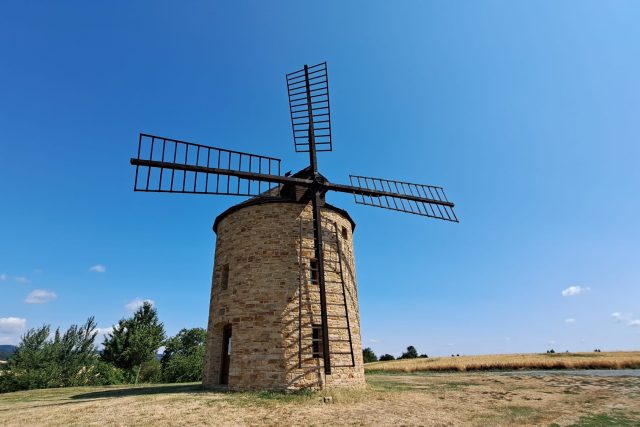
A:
x: 167, y: 165
x: 418, y: 199
x: 310, y: 119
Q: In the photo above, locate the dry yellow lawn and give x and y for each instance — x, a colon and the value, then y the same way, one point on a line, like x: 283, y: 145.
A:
x: 438, y: 399
x: 608, y: 360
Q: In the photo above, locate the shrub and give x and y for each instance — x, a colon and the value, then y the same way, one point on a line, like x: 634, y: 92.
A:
x: 369, y: 356
x: 183, y: 357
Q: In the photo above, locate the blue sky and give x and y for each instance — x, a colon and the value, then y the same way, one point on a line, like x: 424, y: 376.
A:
x: 526, y: 112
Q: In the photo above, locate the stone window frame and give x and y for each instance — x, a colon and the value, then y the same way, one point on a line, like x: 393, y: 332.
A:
x: 345, y: 233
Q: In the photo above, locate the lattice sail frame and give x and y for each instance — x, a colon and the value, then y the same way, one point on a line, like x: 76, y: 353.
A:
x: 169, y: 154
x: 404, y: 197
x: 319, y: 114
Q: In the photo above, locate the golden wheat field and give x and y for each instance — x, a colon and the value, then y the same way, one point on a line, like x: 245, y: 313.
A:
x: 420, y: 399
x: 496, y: 362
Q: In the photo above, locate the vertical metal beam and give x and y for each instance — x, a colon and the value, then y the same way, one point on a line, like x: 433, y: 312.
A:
x: 317, y: 237
x: 313, y: 162
x: 317, y: 228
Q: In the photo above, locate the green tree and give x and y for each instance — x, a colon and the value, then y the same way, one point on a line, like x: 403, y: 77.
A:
x: 69, y: 359
x: 369, y: 356
x: 386, y: 357
x: 134, y: 341
x: 183, y: 357
x: 411, y: 353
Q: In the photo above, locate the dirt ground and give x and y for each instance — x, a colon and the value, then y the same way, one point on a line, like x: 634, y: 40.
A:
x: 481, y: 399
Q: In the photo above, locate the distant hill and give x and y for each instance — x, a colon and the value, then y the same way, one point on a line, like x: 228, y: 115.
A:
x: 6, y: 351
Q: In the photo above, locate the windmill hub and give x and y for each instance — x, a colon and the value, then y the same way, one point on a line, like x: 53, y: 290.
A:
x: 284, y: 304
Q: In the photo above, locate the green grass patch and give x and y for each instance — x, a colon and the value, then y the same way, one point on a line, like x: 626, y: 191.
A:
x: 615, y: 418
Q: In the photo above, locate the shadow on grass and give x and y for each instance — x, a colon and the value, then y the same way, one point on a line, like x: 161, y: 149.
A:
x: 143, y: 390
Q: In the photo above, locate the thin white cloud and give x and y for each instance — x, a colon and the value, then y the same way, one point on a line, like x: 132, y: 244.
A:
x: 570, y: 320
x: 98, y: 268
x: 3, y: 277
x: 634, y: 323
x: 40, y: 296
x: 574, y: 290
x: 622, y: 317
x: 22, y: 280
x: 373, y: 340
x: 137, y: 303
x: 551, y: 342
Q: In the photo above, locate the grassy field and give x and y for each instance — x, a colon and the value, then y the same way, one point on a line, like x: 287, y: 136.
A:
x: 497, y: 362
x: 438, y: 399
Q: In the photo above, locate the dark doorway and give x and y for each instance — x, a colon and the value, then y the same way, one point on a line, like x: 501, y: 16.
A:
x: 226, y: 354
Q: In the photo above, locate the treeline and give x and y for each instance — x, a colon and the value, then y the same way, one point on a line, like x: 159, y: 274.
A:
x: 129, y: 355
x: 369, y: 356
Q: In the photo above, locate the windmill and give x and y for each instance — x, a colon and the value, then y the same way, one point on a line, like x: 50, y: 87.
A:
x: 169, y: 165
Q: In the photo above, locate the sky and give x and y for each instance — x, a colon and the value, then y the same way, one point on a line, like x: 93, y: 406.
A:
x: 525, y: 112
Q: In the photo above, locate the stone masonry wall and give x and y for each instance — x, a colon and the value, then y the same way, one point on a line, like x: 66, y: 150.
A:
x: 271, y: 303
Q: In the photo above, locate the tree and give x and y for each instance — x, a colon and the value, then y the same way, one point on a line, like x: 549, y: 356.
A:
x: 68, y: 359
x: 411, y: 353
x: 386, y: 357
x: 134, y: 341
x: 369, y: 356
x: 183, y: 357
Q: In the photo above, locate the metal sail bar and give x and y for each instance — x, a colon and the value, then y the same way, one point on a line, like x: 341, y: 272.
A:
x: 318, y: 115
x: 165, y: 165
x: 418, y: 199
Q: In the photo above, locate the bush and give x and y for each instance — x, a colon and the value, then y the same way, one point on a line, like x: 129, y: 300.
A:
x: 411, y: 353
x: 183, y: 357
x: 386, y: 357
x: 133, y: 342
x: 369, y: 356
x: 66, y: 360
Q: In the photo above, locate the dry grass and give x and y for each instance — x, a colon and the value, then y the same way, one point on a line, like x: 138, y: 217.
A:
x: 477, y: 399
x: 497, y: 362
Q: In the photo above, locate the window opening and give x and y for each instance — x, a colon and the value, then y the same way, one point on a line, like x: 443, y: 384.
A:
x: 313, y: 271
x: 225, y: 276
x: 316, y: 341
x: 345, y: 234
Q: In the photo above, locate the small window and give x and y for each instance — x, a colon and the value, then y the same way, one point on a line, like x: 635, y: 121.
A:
x: 345, y: 234
x: 224, y: 280
x: 316, y: 341
x: 313, y: 271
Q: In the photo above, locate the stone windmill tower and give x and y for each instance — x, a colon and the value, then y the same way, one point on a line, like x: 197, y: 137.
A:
x: 284, y: 300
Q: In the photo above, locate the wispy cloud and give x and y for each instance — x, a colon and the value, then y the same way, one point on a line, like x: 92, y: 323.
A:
x: 11, y: 328
x: 22, y: 280
x: 40, y: 296
x: 137, y: 303
x: 621, y: 317
x: 574, y: 290
x: 551, y: 342
x: 373, y: 340
x: 570, y: 320
x: 3, y: 277
x: 98, y: 268
x: 634, y: 323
